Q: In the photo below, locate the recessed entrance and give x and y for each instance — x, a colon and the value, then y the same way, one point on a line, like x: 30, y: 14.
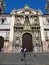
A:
x: 27, y: 42
x: 1, y: 43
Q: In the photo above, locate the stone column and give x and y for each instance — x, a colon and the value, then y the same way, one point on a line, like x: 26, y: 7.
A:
x: 11, y: 33
x: 42, y: 34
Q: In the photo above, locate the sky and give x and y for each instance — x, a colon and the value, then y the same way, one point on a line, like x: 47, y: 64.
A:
x: 17, y: 4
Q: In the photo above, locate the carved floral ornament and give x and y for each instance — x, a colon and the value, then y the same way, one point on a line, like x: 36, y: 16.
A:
x: 19, y: 17
x: 17, y: 34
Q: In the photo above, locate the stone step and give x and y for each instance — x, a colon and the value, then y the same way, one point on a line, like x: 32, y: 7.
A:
x: 30, y: 59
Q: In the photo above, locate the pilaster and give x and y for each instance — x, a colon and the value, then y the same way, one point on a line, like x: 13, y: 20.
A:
x: 11, y: 34
x: 42, y: 34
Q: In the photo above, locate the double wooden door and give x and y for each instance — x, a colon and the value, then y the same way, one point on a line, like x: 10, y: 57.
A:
x: 27, y: 42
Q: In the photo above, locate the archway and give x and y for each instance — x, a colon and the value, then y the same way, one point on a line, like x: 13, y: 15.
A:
x: 27, y: 42
x: 1, y: 42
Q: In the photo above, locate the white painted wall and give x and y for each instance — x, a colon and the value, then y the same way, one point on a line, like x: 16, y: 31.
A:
x: 45, y: 45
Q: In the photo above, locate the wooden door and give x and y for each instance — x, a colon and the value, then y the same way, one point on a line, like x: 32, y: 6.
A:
x: 27, y: 42
x: 1, y: 43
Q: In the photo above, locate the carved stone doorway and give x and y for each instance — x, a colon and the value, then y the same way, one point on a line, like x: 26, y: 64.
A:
x: 27, y: 42
x: 1, y: 43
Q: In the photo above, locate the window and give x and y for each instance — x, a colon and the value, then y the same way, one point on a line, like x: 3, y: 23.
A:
x: 2, y: 22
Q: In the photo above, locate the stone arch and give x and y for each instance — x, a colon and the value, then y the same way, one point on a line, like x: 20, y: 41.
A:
x: 27, y: 42
x: 1, y: 42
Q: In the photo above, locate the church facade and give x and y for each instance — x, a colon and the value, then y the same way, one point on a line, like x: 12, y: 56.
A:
x: 24, y: 28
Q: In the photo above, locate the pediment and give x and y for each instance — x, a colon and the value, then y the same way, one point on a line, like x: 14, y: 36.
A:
x: 26, y: 11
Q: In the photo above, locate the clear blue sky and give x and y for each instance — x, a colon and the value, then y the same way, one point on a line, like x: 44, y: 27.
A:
x: 35, y: 4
